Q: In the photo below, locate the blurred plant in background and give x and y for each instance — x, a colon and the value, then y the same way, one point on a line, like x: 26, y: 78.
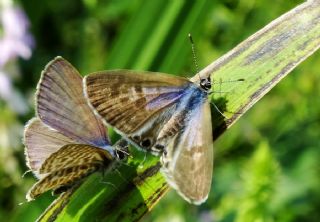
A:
x: 266, y: 166
x: 15, y: 42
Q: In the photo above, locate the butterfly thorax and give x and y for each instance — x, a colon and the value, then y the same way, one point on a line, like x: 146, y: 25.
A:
x: 180, y: 118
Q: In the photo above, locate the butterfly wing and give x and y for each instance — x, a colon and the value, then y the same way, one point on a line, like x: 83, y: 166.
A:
x: 41, y: 141
x: 188, y: 162
x: 136, y: 104
x: 66, y: 177
x: 62, y: 106
x: 72, y: 155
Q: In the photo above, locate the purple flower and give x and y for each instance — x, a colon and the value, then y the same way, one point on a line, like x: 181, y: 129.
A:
x: 16, y: 41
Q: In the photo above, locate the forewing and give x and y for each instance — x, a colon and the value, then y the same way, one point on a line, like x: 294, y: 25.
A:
x: 188, y: 163
x: 61, y: 105
x: 66, y: 177
x: 72, y: 155
x: 136, y: 104
x: 40, y: 142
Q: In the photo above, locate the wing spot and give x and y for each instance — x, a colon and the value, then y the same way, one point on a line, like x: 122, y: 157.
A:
x: 146, y: 143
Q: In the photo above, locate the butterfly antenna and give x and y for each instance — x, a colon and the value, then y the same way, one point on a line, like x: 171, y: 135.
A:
x: 194, y: 55
x: 229, y: 81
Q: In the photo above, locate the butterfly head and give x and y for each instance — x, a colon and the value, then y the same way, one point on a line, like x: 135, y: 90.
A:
x: 205, y: 84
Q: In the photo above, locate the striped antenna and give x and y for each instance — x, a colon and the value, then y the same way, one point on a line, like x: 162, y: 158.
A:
x: 194, y: 54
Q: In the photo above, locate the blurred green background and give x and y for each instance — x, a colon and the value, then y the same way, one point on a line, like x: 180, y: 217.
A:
x: 266, y: 166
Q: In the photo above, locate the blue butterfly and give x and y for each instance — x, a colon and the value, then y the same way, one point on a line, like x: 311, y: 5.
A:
x: 165, y: 115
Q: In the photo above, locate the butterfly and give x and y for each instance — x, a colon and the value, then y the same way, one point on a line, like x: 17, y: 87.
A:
x: 65, y: 142
x: 163, y: 114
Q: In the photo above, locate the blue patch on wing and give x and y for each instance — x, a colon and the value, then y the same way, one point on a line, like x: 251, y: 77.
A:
x: 192, y: 98
x: 165, y: 99
x: 101, y: 143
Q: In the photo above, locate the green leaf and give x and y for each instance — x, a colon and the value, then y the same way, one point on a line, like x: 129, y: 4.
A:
x: 262, y: 60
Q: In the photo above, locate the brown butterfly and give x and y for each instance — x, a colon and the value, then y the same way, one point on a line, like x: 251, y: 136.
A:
x: 164, y: 114
x: 66, y: 142
x: 61, y: 169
